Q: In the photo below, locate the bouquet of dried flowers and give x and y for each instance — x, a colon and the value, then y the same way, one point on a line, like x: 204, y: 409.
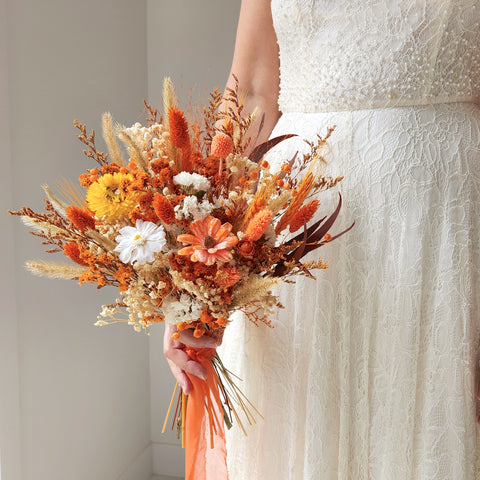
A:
x: 188, y: 229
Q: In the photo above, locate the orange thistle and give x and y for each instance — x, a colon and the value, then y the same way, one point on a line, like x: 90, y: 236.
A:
x: 227, y: 277
x: 211, y: 241
x: 178, y: 128
x: 164, y: 209
x: 222, y: 145
x: 73, y: 252
x: 80, y: 217
x: 258, y: 224
x: 303, y: 215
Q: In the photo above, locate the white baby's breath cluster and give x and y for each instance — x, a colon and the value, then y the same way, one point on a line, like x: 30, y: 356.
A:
x: 209, y: 295
x: 191, y: 208
x: 185, y: 309
x: 153, y: 138
x: 140, y: 299
x: 192, y: 182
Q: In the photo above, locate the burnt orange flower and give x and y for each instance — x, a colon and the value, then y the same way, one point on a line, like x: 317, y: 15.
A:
x: 303, y: 215
x: 258, y: 224
x: 72, y: 251
x: 210, y: 241
x: 163, y: 209
x: 80, y: 217
x: 178, y: 128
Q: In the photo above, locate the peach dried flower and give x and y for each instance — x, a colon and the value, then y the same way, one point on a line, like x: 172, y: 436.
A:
x: 222, y: 145
x: 210, y: 241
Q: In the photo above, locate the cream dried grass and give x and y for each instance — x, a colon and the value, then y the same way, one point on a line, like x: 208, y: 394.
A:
x: 55, y: 270
x: 254, y: 289
x: 109, y: 135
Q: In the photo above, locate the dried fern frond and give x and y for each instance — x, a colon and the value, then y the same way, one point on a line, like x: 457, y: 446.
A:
x: 55, y: 270
x: 254, y: 289
x: 111, y: 139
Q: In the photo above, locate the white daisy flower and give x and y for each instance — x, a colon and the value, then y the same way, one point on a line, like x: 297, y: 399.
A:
x: 139, y: 243
x: 192, y: 182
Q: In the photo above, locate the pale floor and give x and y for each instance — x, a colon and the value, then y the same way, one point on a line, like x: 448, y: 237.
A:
x: 164, y: 477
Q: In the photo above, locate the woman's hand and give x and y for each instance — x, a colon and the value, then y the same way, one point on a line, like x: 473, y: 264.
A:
x: 179, y: 362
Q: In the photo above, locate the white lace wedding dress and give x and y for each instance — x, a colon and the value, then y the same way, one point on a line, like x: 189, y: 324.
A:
x: 371, y: 371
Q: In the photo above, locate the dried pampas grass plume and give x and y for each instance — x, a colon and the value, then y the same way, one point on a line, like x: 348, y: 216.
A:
x: 55, y: 270
x: 109, y: 135
x: 135, y: 152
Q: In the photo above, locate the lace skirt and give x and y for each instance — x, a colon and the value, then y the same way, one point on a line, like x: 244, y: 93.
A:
x: 371, y: 370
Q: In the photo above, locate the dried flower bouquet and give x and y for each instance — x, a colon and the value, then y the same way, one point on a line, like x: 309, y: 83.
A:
x: 187, y: 227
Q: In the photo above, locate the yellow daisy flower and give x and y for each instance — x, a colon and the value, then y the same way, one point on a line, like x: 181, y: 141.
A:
x: 106, y: 199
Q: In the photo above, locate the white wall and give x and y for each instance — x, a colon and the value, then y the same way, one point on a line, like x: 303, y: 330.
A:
x: 84, y: 391
x: 192, y: 42
x: 10, y: 464
x: 75, y: 400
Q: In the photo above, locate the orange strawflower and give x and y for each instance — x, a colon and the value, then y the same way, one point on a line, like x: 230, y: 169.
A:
x: 303, y: 215
x: 222, y: 145
x: 73, y: 252
x: 258, y: 224
x: 80, y: 217
x: 211, y: 241
x: 164, y: 209
x: 178, y: 128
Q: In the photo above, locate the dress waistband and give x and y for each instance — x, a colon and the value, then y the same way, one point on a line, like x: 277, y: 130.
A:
x: 392, y: 102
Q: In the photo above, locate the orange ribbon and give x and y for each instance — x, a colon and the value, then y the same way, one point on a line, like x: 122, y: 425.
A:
x: 206, y: 451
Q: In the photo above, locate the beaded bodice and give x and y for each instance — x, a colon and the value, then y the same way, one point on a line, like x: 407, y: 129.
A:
x: 351, y: 54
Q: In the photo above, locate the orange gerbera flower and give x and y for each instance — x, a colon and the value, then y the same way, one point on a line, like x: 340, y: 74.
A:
x: 211, y: 241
